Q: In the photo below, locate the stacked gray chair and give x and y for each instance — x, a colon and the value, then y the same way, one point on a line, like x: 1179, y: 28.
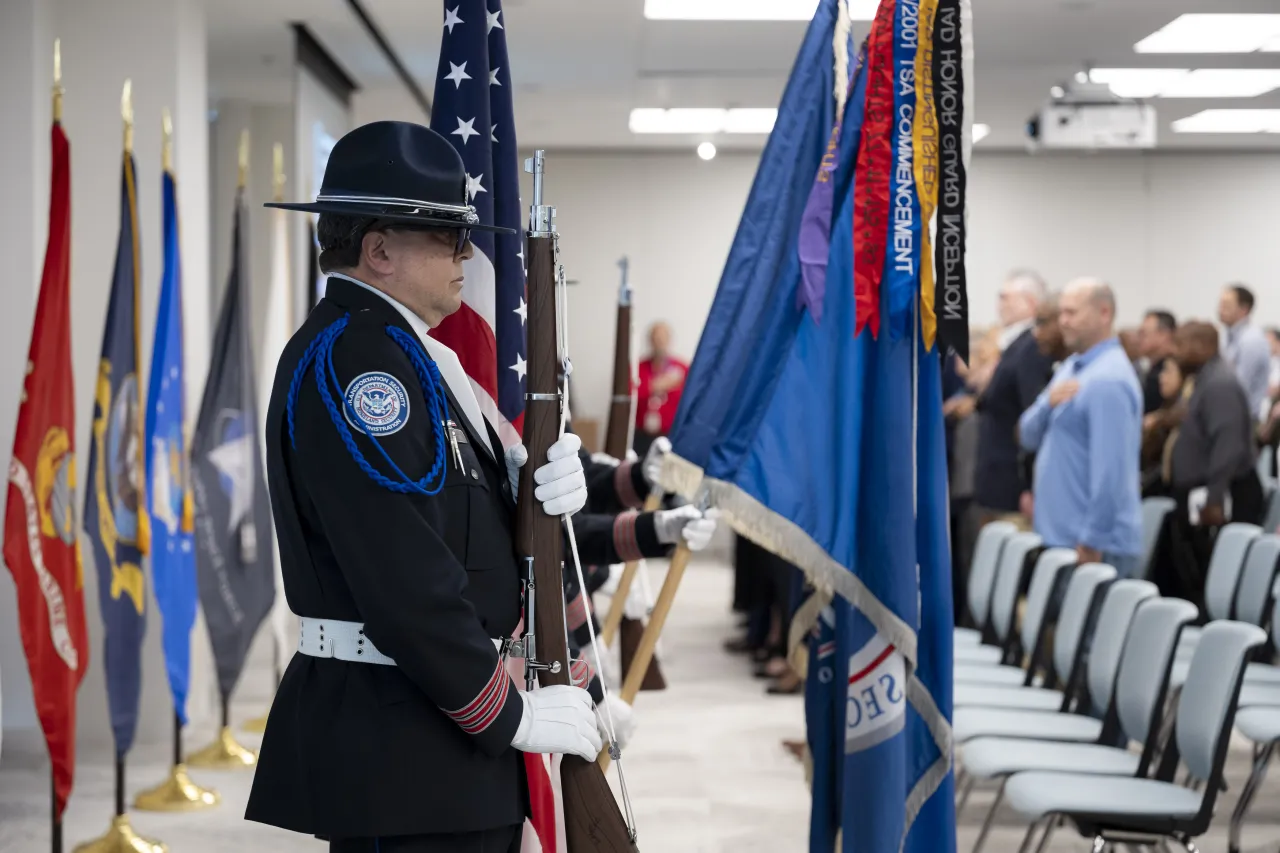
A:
x: 1087, y: 582
x: 1260, y: 724
x: 982, y: 578
x: 1050, y: 567
x: 1113, y: 620
x: 1149, y: 812
x: 1004, y: 600
x: 1141, y: 686
x: 1220, y: 583
x: 1154, y: 511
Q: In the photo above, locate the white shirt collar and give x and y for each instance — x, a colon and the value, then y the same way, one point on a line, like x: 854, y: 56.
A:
x: 446, y: 359
x: 1012, y: 332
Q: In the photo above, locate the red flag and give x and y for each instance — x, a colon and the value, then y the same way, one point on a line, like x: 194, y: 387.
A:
x: 40, y: 544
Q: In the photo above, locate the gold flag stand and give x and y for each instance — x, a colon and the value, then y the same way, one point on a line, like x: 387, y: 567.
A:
x: 225, y: 753
x: 177, y: 793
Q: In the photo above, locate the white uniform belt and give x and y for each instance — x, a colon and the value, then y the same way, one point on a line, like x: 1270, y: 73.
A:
x: 334, y: 638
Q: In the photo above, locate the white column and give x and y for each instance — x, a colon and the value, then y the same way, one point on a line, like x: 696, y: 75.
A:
x: 26, y: 78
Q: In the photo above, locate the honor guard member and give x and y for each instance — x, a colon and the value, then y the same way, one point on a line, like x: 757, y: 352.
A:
x: 396, y: 728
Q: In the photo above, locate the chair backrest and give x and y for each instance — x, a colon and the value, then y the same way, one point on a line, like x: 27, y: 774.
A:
x: 1004, y: 599
x: 1266, y: 456
x: 1144, y: 667
x: 1114, y: 621
x: 1275, y: 614
x: 1154, y: 511
x: 1272, y: 521
x: 982, y: 570
x: 1049, y: 567
x: 1206, y: 708
x: 1225, y: 566
x: 1254, y: 593
x: 1074, y: 616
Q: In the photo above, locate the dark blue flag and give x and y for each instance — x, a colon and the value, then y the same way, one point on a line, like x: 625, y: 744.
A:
x: 173, y: 559
x: 115, y: 504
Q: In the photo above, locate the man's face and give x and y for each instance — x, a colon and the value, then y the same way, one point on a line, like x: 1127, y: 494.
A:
x: 1048, y: 332
x: 425, y: 270
x: 1153, y: 341
x: 1229, y: 308
x: 1189, y: 349
x: 1015, y: 305
x: 660, y: 339
x: 1080, y: 319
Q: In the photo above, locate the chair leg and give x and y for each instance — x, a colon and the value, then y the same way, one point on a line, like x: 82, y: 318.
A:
x: 1027, y: 839
x: 964, y: 795
x: 991, y: 816
x: 1261, y: 759
x: 1052, y: 826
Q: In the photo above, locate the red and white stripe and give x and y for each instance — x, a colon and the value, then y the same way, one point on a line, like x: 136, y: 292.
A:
x: 478, y: 714
x: 575, y: 613
x: 581, y: 673
x: 624, y: 536
x: 626, y: 487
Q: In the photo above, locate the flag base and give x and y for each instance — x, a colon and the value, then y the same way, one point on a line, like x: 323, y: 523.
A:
x: 223, y: 754
x: 121, y: 838
x: 177, y: 794
x: 256, y: 726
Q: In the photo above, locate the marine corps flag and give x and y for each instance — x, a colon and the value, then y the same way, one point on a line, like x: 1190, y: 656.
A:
x: 40, y: 544
x: 115, y: 515
x: 233, y: 516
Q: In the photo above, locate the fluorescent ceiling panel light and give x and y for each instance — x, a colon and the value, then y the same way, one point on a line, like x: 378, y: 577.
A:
x: 750, y: 120
x: 747, y: 10
x: 1224, y: 83
x: 1213, y: 33
x: 1138, y: 82
x: 980, y: 132
x: 1230, y: 121
x: 646, y: 120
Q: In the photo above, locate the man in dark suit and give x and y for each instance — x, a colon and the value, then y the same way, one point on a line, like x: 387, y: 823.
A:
x: 1155, y: 342
x: 1001, y: 475
x: 396, y: 727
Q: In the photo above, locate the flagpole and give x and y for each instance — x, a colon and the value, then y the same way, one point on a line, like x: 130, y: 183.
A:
x: 55, y: 834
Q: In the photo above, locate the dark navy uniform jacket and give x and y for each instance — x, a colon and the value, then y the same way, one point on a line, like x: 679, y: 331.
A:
x: 354, y: 749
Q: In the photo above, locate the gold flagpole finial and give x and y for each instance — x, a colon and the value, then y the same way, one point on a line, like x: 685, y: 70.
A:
x: 166, y: 151
x: 126, y: 113
x: 243, y: 178
x: 57, y: 80
x: 277, y: 172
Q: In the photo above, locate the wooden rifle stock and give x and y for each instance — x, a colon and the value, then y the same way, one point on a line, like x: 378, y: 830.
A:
x: 617, y: 442
x: 593, y: 821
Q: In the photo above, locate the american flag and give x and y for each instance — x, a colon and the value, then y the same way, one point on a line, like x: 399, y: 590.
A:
x: 473, y: 110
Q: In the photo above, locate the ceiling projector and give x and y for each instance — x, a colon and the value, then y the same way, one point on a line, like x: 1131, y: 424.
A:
x: 1088, y: 116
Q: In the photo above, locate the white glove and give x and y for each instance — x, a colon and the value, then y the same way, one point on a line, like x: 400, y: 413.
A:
x: 624, y: 720
x: 605, y: 459
x: 653, y: 459
x: 561, y: 483
x: 558, y: 719
x: 631, y: 455
x: 696, y: 527
x: 637, y: 604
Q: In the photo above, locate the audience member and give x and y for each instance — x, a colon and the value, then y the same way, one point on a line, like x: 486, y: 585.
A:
x: 661, y: 379
x: 1048, y: 332
x: 1160, y: 429
x: 1245, y: 348
x: 1212, y: 467
x: 1156, y: 345
x: 1000, y: 482
x: 1085, y: 429
x: 1273, y: 376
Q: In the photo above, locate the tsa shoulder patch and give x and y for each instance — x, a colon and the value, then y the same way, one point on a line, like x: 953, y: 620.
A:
x: 378, y: 402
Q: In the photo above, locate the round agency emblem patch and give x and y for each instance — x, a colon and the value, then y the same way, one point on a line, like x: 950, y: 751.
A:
x: 380, y: 404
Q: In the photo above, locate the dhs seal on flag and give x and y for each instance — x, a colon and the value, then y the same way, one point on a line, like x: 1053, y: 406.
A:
x: 379, y: 403
x: 876, y: 707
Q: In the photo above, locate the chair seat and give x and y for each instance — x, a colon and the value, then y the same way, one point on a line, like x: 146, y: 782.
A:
x: 1008, y: 676
x: 1259, y: 724
x: 1259, y: 694
x: 972, y: 722
x: 996, y: 696
x: 1187, y: 640
x: 1256, y: 674
x: 989, y: 655
x: 988, y: 757
x: 1037, y: 794
x: 966, y: 637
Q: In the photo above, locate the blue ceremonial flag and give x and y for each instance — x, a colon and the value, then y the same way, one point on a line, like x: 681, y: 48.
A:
x: 115, y: 502
x: 173, y: 562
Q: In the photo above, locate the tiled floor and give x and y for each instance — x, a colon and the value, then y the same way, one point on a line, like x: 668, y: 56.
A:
x: 705, y: 769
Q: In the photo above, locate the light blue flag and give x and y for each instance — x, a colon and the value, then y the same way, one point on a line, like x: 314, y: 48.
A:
x: 173, y: 566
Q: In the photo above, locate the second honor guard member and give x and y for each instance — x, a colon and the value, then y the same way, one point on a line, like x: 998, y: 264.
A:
x: 396, y: 728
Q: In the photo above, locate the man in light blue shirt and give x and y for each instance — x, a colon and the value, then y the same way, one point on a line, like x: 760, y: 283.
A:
x: 1245, y: 347
x: 1086, y: 432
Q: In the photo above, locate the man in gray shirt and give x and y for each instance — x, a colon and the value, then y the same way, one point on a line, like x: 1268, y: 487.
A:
x: 1245, y: 347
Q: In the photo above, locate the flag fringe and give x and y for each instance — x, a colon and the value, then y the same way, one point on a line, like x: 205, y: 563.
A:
x: 680, y: 476
x: 922, y: 700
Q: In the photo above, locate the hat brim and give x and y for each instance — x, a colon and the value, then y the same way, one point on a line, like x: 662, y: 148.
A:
x: 376, y: 212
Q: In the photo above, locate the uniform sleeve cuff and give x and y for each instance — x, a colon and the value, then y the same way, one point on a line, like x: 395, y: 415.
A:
x: 494, y: 715
x: 628, y: 481
x: 575, y: 612
x: 647, y: 536
x: 624, y: 536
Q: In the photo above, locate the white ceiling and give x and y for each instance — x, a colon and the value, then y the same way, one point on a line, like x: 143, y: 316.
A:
x: 581, y: 65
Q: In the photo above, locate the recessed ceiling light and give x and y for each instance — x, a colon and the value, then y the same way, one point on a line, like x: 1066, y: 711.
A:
x: 707, y: 151
x: 747, y: 10
x: 1230, y: 121
x: 1213, y: 33
x: 980, y: 132
x: 1185, y: 83
x: 1138, y: 82
x: 703, y: 121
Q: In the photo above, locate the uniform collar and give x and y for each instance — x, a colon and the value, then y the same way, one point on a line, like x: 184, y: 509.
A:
x: 415, y: 322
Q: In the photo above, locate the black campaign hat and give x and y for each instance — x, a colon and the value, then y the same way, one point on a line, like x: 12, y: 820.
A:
x: 397, y: 171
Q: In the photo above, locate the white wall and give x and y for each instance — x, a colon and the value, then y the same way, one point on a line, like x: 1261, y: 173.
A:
x: 1166, y: 231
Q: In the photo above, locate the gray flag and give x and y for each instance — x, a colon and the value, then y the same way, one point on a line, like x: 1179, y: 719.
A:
x: 232, y: 510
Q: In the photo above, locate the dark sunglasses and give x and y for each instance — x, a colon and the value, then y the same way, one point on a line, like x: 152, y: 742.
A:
x: 461, y: 236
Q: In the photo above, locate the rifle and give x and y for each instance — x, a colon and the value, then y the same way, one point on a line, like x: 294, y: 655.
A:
x: 593, y: 821
x: 617, y: 441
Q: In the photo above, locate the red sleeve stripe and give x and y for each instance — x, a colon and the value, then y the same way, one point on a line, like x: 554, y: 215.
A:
x: 624, y: 537
x: 581, y: 673
x: 625, y: 487
x: 480, y: 712
x: 576, y: 613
